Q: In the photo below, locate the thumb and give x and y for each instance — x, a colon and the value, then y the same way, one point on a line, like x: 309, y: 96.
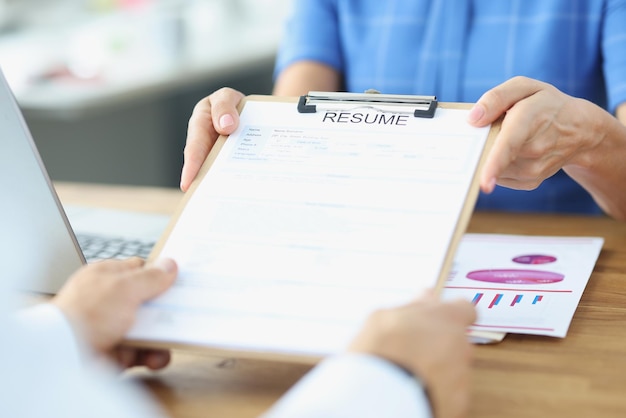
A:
x: 463, y: 311
x: 154, y: 279
x: 224, y: 104
x: 497, y: 101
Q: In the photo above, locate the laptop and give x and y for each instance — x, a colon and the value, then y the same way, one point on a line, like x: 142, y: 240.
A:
x: 39, y: 248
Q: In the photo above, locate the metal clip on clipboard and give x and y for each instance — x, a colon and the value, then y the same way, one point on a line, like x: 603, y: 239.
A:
x: 419, y: 106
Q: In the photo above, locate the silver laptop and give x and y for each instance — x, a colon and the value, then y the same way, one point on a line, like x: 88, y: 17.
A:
x: 38, y: 247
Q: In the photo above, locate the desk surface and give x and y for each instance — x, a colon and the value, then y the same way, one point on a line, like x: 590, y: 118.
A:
x: 524, y: 376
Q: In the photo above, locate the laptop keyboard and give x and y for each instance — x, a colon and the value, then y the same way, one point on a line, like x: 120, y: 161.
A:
x: 97, y: 247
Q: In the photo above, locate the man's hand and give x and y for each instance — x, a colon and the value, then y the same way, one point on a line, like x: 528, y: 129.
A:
x: 212, y: 116
x: 543, y: 130
x: 101, y: 300
x: 428, y: 338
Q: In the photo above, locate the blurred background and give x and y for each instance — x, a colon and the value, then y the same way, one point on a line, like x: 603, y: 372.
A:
x: 107, y: 86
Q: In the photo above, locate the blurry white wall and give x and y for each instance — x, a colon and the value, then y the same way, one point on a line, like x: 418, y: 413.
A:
x: 115, y: 39
x: 107, y: 86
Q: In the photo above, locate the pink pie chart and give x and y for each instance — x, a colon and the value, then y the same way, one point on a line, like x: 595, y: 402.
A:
x: 514, y: 276
x: 534, y: 259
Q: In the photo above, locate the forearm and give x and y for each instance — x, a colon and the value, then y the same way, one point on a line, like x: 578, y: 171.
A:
x: 601, y: 169
x: 304, y: 76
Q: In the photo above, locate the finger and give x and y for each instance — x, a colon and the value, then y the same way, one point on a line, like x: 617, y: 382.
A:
x: 462, y: 311
x: 224, y: 104
x: 459, y: 310
x: 153, y: 359
x: 514, y: 132
x: 117, y: 266
x: 495, y: 102
x: 498, y: 159
x: 214, y: 115
x: 151, y: 281
x: 125, y: 357
x: 201, y: 136
x: 156, y: 359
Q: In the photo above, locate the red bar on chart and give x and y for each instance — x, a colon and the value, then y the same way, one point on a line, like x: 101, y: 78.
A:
x: 517, y: 299
x: 495, y: 300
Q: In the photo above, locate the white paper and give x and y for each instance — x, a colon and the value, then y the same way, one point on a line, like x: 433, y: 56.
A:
x: 303, y: 226
x: 523, y: 284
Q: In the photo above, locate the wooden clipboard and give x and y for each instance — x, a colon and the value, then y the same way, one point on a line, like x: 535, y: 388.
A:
x: 459, y: 230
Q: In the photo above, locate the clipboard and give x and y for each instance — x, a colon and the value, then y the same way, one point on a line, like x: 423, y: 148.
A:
x: 149, y: 332
x: 418, y: 106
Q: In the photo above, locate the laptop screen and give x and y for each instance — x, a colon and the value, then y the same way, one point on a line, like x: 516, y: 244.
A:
x: 38, y: 249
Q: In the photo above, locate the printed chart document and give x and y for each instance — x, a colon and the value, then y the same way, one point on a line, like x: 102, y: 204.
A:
x: 306, y: 223
x: 523, y: 284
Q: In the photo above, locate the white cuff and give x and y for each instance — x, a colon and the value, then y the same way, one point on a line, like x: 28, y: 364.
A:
x: 354, y: 385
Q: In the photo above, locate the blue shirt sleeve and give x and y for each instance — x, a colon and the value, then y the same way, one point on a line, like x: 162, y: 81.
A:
x: 311, y: 33
x: 614, y: 51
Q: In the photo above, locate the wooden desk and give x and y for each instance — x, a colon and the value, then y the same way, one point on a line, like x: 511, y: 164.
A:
x: 583, y: 375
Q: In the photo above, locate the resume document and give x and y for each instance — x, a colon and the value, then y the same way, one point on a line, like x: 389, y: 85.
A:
x: 306, y: 223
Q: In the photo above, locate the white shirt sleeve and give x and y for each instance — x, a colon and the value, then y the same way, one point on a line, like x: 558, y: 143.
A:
x: 42, y: 373
x: 46, y: 327
x: 354, y: 385
x: 46, y: 376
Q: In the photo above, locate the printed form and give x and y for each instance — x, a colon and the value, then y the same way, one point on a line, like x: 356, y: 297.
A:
x: 306, y: 223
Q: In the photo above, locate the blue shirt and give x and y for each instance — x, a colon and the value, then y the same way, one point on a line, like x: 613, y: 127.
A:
x: 457, y: 50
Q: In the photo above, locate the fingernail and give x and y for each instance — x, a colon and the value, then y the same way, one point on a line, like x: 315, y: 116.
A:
x: 158, y: 360
x: 165, y: 264
x: 226, y: 121
x: 476, y: 114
